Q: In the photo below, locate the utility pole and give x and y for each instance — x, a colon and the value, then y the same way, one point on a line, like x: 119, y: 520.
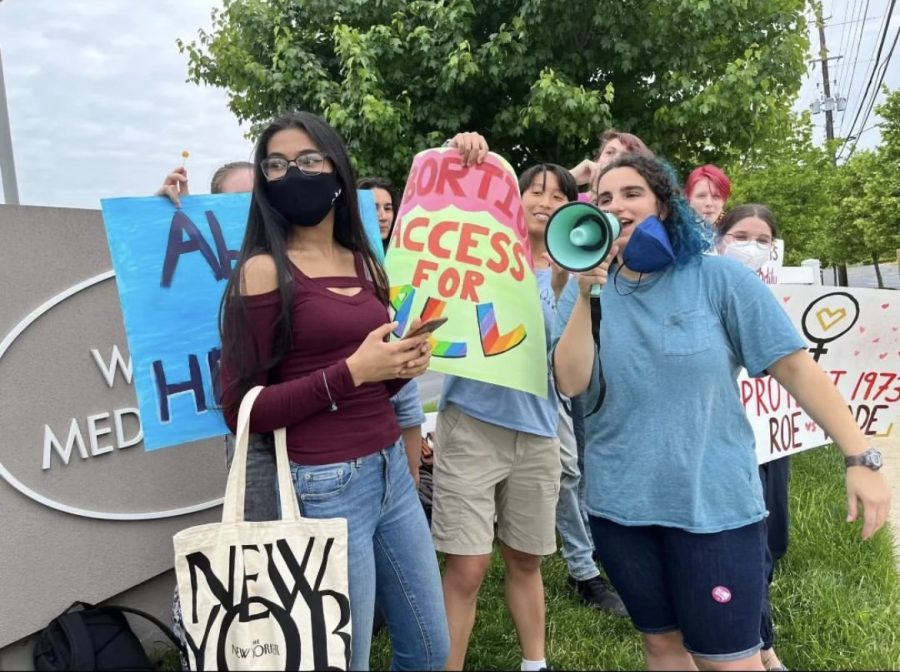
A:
x: 826, y: 85
x: 7, y: 164
x: 828, y: 106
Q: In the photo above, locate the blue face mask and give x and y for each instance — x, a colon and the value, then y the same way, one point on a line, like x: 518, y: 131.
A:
x: 649, y: 249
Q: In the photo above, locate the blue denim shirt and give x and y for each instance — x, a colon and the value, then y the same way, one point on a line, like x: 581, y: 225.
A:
x: 408, y: 406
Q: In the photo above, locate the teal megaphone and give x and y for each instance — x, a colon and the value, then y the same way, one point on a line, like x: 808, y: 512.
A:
x: 579, y: 236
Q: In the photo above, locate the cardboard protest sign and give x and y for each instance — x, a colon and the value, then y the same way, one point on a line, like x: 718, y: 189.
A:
x: 460, y: 250
x: 854, y: 334
x: 770, y: 270
x: 171, y: 267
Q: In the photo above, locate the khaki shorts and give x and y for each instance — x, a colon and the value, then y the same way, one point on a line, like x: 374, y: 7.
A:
x: 481, y: 469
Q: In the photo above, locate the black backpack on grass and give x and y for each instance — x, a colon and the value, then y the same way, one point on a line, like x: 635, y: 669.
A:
x: 88, y: 637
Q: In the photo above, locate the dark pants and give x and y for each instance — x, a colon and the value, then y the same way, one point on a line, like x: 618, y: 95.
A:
x: 708, y: 586
x: 774, y: 476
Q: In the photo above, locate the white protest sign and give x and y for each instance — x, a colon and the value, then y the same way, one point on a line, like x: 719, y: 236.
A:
x: 854, y: 334
x: 771, y: 270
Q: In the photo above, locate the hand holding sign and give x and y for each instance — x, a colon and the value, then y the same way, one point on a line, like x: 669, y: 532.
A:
x: 175, y: 186
x: 472, y: 147
x: 460, y: 250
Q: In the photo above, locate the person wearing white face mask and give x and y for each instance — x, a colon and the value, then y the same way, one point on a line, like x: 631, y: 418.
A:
x: 747, y: 234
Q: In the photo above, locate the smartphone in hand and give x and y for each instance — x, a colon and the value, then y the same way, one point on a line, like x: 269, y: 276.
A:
x: 426, y: 327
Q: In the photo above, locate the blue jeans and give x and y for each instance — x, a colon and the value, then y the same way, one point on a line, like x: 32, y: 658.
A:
x: 391, y: 555
x: 577, y: 546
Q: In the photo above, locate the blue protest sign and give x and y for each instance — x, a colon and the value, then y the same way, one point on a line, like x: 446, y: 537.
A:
x: 171, y: 269
x: 369, y: 214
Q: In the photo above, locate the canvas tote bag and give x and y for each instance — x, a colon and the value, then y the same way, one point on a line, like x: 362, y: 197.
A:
x: 264, y: 595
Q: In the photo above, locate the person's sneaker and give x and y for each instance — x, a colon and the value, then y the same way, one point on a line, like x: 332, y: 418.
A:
x: 599, y: 594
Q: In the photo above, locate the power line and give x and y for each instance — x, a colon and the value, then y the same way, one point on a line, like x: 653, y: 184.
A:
x: 835, y: 25
x: 847, y: 11
x: 887, y: 18
x: 877, y: 88
x: 842, y: 77
x: 845, y: 32
x: 849, y: 87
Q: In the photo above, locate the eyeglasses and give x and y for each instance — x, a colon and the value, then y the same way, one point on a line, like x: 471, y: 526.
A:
x: 309, y: 163
x: 762, y: 242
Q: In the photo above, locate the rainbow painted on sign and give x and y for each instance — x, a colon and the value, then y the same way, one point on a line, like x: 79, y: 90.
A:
x: 492, y: 342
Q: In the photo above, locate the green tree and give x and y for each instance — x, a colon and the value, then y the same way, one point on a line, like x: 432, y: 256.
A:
x: 798, y: 181
x: 870, y: 202
x: 840, y: 214
x: 698, y: 80
x: 889, y: 111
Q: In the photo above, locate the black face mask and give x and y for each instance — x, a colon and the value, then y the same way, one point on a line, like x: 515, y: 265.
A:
x: 304, y: 200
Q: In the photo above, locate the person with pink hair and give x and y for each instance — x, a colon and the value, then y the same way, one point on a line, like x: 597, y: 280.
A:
x: 707, y: 189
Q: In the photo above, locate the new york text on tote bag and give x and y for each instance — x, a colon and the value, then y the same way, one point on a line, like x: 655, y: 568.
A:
x: 267, y: 595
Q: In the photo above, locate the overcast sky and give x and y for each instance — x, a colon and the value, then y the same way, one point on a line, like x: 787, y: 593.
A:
x: 99, y: 106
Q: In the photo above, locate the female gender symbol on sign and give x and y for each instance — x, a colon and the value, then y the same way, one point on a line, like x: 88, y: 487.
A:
x: 828, y: 318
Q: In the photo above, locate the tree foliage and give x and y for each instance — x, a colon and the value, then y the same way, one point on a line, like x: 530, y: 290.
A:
x: 699, y: 80
x: 797, y: 180
x: 840, y: 214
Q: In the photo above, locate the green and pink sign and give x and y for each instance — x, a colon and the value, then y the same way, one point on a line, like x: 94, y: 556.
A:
x: 460, y: 250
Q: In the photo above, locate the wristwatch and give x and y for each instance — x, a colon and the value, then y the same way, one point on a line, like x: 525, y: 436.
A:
x: 871, y: 459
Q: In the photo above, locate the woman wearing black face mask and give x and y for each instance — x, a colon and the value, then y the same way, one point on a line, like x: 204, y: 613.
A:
x: 305, y: 314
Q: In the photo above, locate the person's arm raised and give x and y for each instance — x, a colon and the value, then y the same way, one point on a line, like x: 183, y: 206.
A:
x: 574, y: 354
x: 472, y: 147
x: 586, y: 172
x: 175, y: 186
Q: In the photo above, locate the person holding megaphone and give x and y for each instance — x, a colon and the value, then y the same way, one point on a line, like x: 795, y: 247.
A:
x: 674, y: 501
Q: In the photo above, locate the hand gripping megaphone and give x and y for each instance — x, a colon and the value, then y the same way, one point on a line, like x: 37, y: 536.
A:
x: 579, y: 236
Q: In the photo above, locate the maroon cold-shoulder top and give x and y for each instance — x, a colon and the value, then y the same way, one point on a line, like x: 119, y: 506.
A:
x: 327, y: 328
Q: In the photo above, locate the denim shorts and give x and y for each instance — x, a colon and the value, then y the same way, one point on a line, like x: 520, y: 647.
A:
x: 708, y: 586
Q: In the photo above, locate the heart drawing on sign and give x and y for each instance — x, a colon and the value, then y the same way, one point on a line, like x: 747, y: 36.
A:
x: 828, y: 318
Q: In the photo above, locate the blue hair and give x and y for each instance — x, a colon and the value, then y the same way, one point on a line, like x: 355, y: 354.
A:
x: 689, y: 233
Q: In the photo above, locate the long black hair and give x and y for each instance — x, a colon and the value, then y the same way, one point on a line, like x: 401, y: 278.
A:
x: 267, y: 233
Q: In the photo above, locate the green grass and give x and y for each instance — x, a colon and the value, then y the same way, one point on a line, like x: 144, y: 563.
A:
x: 430, y: 407
x: 836, y: 600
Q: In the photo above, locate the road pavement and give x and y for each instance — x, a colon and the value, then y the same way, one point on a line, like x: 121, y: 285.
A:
x: 864, y: 276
